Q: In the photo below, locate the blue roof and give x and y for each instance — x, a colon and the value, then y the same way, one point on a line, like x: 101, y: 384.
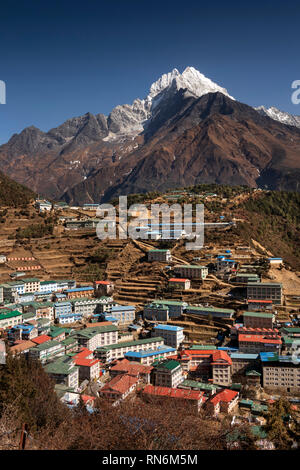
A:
x: 23, y: 327
x: 168, y: 327
x: 112, y: 319
x: 58, y: 304
x: 238, y: 355
x: 227, y: 348
x: 116, y: 308
x: 276, y: 258
x: 149, y: 352
x: 79, y: 289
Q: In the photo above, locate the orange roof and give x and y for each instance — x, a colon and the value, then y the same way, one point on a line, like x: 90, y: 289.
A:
x: 221, y: 355
x: 259, y: 339
x: 41, y: 339
x: 103, y: 282
x: 131, y: 368
x: 22, y: 346
x: 100, y: 323
x: 86, y: 362
x: 225, y: 396
x: 83, y: 353
x: 119, y: 384
x: 87, y: 398
x: 173, y: 392
x: 259, y: 301
x: 177, y: 279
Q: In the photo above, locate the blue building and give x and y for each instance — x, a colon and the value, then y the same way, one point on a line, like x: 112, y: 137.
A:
x: 62, y: 308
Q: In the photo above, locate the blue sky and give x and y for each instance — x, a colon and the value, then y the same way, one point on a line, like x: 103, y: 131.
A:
x: 61, y: 59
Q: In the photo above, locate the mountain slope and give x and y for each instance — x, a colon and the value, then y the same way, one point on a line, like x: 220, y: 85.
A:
x: 13, y: 194
x: 206, y: 140
x: 187, y: 130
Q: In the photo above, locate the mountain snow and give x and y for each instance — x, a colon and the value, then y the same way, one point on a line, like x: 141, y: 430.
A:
x: 131, y: 119
x: 280, y: 116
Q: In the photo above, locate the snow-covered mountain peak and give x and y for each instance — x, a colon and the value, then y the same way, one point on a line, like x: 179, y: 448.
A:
x: 132, y: 119
x: 280, y: 116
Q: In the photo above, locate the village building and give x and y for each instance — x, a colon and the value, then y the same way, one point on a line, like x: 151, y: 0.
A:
x: 280, y: 372
x: 10, y: 319
x: 63, y: 371
x: 159, y: 255
x: 134, y: 369
x: 21, y: 347
x: 213, y: 312
x: 79, y: 292
x: 258, y: 320
x: 161, y: 309
x: 97, y: 337
x: 249, y: 343
x: 150, y: 355
x: 173, y: 335
x: 223, y: 402
x: 46, y: 351
x: 179, y: 283
x: 265, y: 291
x: 167, y: 373
x: 118, y: 388
x: 191, y: 271
x: 104, y: 287
x: 117, y: 351
x: 191, y: 399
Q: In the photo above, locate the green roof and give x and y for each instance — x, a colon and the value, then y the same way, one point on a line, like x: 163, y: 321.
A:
x: 169, y: 302
x: 30, y: 279
x: 194, y: 266
x: 47, y: 345
x: 253, y: 372
x: 203, y: 346
x: 41, y: 304
x: 211, y: 309
x: 56, y: 331
x: 90, y: 332
x: 127, y: 344
x: 199, y: 385
x: 43, y: 283
x: 14, y: 313
x: 170, y: 364
x: 258, y: 314
x: 265, y: 284
x: 63, y: 366
x: 68, y: 341
x: 158, y: 251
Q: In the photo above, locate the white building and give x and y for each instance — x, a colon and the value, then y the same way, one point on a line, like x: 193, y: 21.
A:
x: 191, y: 271
x: 159, y: 255
x: 172, y: 335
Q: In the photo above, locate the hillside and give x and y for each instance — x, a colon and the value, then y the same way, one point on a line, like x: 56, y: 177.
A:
x: 13, y: 194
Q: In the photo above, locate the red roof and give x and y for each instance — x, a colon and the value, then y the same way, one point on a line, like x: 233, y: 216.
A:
x: 83, y: 353
x: 220, y: 355
x: 260, y: 301
x: 225, y: 396
x: 173, y: 392
x: 119, y: 384
x: 131, y: 368
x: 86, y: 362
x: 86, y: 398
x: 106, y: 283
x: 259, y: 339
x: 41, y: 339
x: 176, y: 279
